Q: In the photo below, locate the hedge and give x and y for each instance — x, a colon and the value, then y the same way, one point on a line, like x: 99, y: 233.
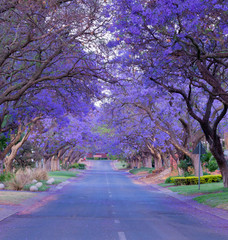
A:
x: 194, y: 180
x: 78, y: 166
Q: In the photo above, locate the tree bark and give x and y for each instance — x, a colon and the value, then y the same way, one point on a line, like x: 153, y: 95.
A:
x: 9, y: 159
x: 149, y: 161
x: 222, y: 162
x: 226, y: 140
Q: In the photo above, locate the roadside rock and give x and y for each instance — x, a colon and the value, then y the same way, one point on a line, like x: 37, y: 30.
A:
x: 2, y: 186
x: 39, y: 184
x: 50, y: 181
x: 33, y: 188
x: 34, y: 181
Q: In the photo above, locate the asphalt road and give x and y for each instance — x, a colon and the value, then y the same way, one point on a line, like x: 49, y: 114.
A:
x: 107, y: 205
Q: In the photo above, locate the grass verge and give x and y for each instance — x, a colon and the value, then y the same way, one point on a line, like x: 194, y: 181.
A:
x: 142, y: 169
x: 61, y: 176
x: 14, y: 197
x: 219, y: 200
x: 212, y: 194
x: 43, y: 188
x: 204, y: 188
x: 166, y: 184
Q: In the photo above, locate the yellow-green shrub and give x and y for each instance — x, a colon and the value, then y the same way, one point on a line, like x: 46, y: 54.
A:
x: 194, y: 180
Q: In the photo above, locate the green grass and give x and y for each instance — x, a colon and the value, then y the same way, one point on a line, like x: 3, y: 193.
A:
x: 43, y: 188
x: 121, y: 165
x: 166, y: 184
x: 142, y: 169
x: 204, y: 188
x: 214, y: 199
x: 61, y: 176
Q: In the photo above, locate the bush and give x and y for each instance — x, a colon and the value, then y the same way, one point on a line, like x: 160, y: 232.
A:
x: 169, y: 180
x: 187, y: 174
x: 20, y: 179
x: 186, y: 165
x: 5, y: 177
x: 212, y: 165
x: 81, y: 166
x: 78, y: 166
x: 74, y: 165
x: 194, y: 180
x: 40, y: 174
x: 209, y: 161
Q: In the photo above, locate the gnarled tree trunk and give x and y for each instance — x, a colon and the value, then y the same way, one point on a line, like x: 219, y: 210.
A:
x: 9, y: 159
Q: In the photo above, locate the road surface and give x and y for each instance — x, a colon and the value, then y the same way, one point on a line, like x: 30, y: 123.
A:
x: 107, y: 205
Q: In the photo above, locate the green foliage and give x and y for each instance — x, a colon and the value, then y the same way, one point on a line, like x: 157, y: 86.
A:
x: 4, y: 177
x: 185, y: 164
x: 113, y: 157
x: 65, y: 166
x: 169, y: 180
x: 188, y: 174
x: 3, y: 142
x: 103, y: 129
x: 212, y: 165
x: 194, y: 180
x: 209, y: 161
x: 78, y: 166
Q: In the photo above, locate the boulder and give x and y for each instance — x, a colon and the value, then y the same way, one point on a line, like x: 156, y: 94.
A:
x: 39, y: 184
x: 34, y: 181
x: 50, y: 181
x: 2, y: 186
x: 33, y: 188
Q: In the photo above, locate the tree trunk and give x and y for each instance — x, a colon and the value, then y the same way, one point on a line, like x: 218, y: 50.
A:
x: 222, y: 163
x: 132, y: 163
x: 226, y: 140
x: 157, y: 161
x: 1, y: 166
x: 166, y: 159
x: 139, y: 163
x: 9, y: 159
x: 53, y: 163
x: 149, y: 161
x: 47, y: 164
